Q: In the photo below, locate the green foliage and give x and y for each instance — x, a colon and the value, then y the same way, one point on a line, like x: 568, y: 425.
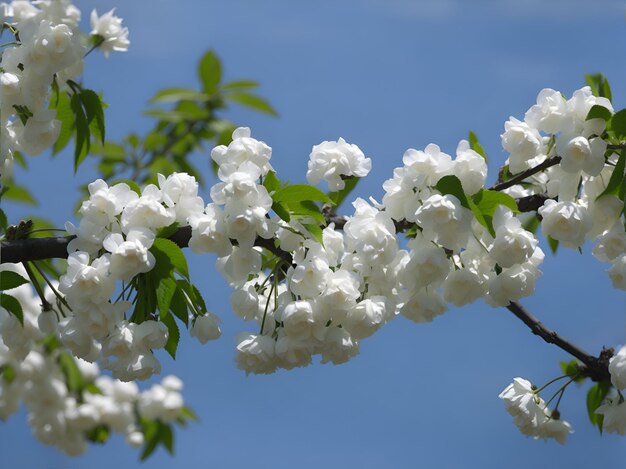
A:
x: 23, y: 113
x: 19, y: 194
x: 99, y: 434
x: 252, y: 101
x: 300, y: 192
x: 617, y: 124
x: 8, y: 373
x: 338, y: 197
x: 190, y: 122
x: 156, y: 433
x: 210, y: 72
x: 65, y: 115
x: 476, y: 146
x: 595, y: 396
x: 483, y: 204
x: 599, y: 112
x: 553, y: 244
x: 13, y: 306
x: 9, y: 280
x: 572, y: 369
x: 168, y: 95
x: 616, y: 182
x: 81, y: 112
x: 73, y: 376
x: 3, y: 222
x: 599, y: 85
x: 298, y: 201
x: 487, y: 201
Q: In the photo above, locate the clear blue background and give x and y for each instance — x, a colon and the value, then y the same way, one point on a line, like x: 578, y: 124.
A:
x: 386, y: 75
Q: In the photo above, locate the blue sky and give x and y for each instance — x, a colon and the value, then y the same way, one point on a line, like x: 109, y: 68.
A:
x: 387, y: 76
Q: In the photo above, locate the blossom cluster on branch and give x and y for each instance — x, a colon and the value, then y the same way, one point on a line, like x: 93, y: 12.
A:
x: 311, y: 282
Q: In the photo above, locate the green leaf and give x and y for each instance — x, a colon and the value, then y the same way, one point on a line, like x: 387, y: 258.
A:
x: 599, y: 112
x: 282, y: 211
x: 4, y: 223
x: 532, y: 224
x: 595, y: 396
x: 316, y: 231
x: 168, y: 95
x: 164, y: 294
x: 178, y: 306
x: 599, y: 85
x: 66, y: 116
x: 167, y: 437
x: 18, y: 157
x: 13, y: 306
x: 616, y: 180
x: 94, y: 112
x: 113, y: 151
x: 174, y: 254
x: 252, y: 101
x: 153, y: 141
x: 306, y: 209
x: 210, y: 72
x: 553, y: 244
x: 476, y: 146
x: 188, y: 414
x: 9, y: 280
x: 488, y: 201
x: 234, y: 85
x: 23, y: 113
x: 271, y: 182
x: 194, y: 298
x: 168, y: 231
x: 172, y: 116
x: 338, y: 197
x: 151, y: 437
x: 8, y: 373
x: 19, y: 194
x: 452, y: 185
x: 173, y: 334
x: 617, y: 124
x: 299, y: 193
x: 571, y: 369
x: 82, y: 138
x: 73, y: 376
x: 99, y: 434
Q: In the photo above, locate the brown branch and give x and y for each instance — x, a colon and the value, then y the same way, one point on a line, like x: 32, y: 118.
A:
x: 37, y: 249
x: 526, y: 174
x: 595, y: 368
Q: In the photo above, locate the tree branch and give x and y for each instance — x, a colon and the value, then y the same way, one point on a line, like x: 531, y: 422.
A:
x: 526, y: 174
x: 595, y: 368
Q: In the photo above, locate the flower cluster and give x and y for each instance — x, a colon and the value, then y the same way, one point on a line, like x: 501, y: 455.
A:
x: 614, y: 408
x: 452, y: 258
x: 332, y: 161
x: 531, y: 413
x: 113, y: 240
x: 50, y: 51
x: 584, y: 210
x: 69, y: 402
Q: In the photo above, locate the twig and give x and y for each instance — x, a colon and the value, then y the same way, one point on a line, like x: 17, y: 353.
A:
x: 595, y: 368
x: 526, y: 174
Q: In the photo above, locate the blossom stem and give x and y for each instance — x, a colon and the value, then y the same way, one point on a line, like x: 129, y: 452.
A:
x: 54, y: 290
x: 561, y: 391
x: 33, y: 279
x: 537, y: 391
